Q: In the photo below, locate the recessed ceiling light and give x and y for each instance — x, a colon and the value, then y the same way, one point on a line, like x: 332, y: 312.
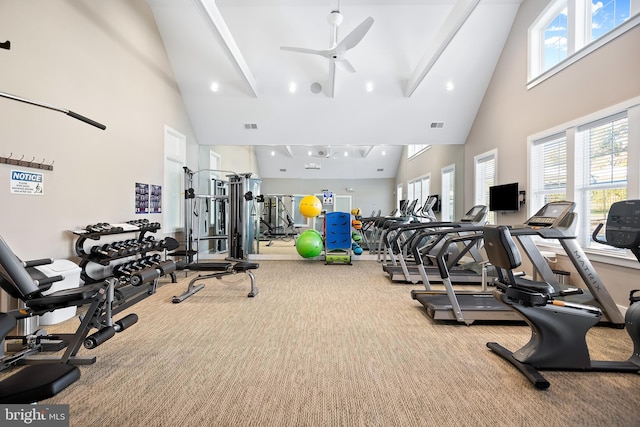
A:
x: 293, y: 87
x: 450, y: 86
x: 273, y: 153
x: 369, y: 86
x: 346, y: 154
x: 214, y: 87
x: 384, y: 153
x: 309, y: 153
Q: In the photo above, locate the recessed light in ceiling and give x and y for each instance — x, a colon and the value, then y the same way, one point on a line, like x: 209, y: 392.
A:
x: 449, y: 86
x: 293, y: 87
x: 214, y: 87
x: 369, y: 86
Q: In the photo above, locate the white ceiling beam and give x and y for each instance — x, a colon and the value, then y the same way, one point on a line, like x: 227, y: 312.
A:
x: 211, y: 15
x: 462, y: 9
x: 289, y: 150
x: 367, y: 151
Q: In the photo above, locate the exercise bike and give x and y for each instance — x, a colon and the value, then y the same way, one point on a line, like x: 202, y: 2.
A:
x: 559, y: 328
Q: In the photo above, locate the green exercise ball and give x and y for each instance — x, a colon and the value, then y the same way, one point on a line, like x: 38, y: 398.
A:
x: 309, y: 244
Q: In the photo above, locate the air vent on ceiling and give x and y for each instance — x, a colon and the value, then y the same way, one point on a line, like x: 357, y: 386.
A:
x: 250, y: 126
x: 380, y: 170
x: 283, y: 170
x: 437, y: 125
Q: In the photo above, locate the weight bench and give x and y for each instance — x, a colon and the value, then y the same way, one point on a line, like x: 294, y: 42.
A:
x: 34, y: 383
x: 216, y: 270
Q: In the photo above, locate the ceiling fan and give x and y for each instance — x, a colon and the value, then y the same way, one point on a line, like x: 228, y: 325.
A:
x: 336, y: 51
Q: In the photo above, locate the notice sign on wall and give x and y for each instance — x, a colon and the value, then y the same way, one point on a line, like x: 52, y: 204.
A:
x: 31, y: 183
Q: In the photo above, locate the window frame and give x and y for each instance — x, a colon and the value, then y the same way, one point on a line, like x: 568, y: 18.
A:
x: 579, y: 44
x: 632, y: 107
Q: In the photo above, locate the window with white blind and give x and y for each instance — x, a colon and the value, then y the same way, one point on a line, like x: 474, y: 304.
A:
x: 415, y: 149
x: 419, y: 189
x: 485, y: 174
x: 398, y: 195
x: 448, y: 193
x: 601, y: 171
x: 549, y: 170
x: 589, y: 161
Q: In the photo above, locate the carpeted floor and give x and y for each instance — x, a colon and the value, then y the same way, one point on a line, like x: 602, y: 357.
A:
x: 329, y: 345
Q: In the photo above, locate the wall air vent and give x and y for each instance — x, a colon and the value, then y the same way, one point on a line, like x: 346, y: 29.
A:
x: 250, y: 126
x: 437, y: 125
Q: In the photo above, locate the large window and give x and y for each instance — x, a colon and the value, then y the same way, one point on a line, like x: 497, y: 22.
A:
x: 485, y: 174
x: 418, y: 189
x: 415, y: 149
x: 448, y: 193
x: 591, y: 162
x: 549, y: 163
x: 567, y: 30
x: 601, y: 171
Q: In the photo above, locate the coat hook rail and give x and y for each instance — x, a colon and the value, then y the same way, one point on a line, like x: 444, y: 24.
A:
x: 27, y: 164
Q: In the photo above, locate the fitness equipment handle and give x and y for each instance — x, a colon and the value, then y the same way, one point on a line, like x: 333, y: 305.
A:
x: 47, y: 281
x: 37, y: 262
x: 51, y: 107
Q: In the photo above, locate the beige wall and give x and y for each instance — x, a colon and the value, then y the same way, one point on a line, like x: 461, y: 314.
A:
x: 104, y: 60
x: 432, y: 161
x: 509, y: 113
x: 367, y: 194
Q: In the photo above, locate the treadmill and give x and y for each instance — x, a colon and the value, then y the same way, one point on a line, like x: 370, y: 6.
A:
x: 415, y: 271
x: 556, y: 220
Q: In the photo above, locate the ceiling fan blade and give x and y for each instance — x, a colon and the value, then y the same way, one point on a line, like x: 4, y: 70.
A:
x: 355, y: 36
x: 324, y: 53
x: 345, y: 65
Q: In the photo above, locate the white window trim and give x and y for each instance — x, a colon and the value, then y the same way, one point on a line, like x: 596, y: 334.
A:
x: 633, y: 179
x: 577, y: 55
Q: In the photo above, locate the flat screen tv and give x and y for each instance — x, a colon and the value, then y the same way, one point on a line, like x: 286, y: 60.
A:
x: 504, y: 197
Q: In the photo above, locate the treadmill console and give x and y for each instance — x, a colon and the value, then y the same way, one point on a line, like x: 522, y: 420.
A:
x: 476, y: 214
x: 623, y: 224
x: 551, y: 215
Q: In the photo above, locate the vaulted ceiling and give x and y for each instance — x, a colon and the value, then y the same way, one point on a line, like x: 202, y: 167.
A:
x: 421, y: 71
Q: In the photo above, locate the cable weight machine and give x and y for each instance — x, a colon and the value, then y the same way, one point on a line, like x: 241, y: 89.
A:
x: 218, y: 212
x: 229, y: 204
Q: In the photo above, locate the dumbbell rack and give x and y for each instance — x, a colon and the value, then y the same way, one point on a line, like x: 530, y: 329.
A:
x: 136, y: 247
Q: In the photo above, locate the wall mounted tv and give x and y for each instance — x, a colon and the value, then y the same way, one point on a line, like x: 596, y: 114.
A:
x: 504, y: 197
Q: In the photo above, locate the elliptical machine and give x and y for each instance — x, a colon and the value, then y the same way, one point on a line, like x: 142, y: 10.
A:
x: 559, y: 328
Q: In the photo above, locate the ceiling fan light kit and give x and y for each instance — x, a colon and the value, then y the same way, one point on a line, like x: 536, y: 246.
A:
x: 336, y: 52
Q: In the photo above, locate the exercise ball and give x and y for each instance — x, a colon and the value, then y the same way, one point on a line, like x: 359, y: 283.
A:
x: 310, y: 206
x: 309, y: 244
